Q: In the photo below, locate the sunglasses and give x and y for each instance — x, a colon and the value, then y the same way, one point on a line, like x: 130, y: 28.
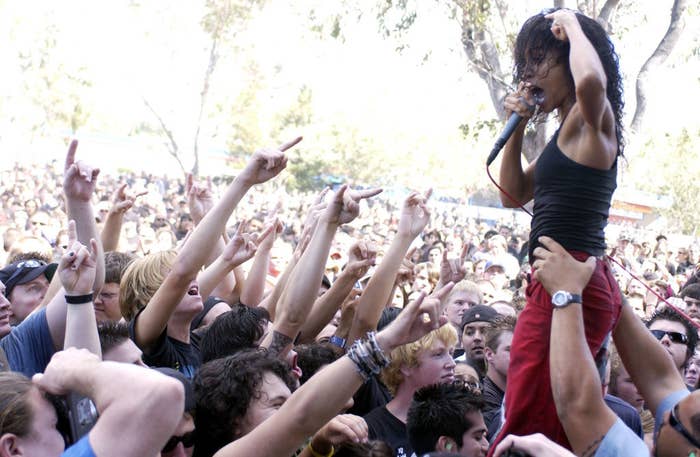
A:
x: 26, y: 264
x: 675, y: 337
x: 473, y: 387
x: 187, y: 440
x: 677, y: 426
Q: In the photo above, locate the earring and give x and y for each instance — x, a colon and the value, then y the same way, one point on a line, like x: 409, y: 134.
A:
x: 448, y: 446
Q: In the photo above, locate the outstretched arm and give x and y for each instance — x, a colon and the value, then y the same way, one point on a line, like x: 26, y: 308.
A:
x: 129, y: 398
x: 302, y: 288
x: 361, y: 257
x: 303, y: 414
x: 264, y: 165
x: 121, y: 203
x: 647, y: 362
x: 254, y: 286
x: 77, y: 272
x: 586, y: 68
x: 239, y: 250
x: 414, y: 218
x: 575, y: 381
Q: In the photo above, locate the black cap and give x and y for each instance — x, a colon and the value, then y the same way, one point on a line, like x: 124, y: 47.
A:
x: 24, y: 271
x: 186, y: 383
x: 479, y: 313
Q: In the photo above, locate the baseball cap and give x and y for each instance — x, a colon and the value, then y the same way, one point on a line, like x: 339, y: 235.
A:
x: 479, y: 313
x: 24, y: 271
x: 494, y: 263
x: 186, y: 383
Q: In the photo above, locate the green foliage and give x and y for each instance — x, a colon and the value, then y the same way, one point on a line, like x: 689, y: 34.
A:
x: 668, y: 165
x: 57, y: 90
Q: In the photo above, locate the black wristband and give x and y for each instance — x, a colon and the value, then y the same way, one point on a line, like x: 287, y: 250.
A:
x: 79, y: 299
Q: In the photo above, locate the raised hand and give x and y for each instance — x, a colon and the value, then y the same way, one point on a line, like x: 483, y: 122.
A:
x: 77, y: 267
x: 343, y: 428
x: 122, y: 201
x: 557, y: 270
x: 561, y: 19
x: 79, y: 178
x: 414, y: 214
x: 361, y: 256
x: 200, y: 198
x: 453, y: 270
x: 346, y: 204
x: 420, y: 317
x: 243, y: 245
x: 265, y: 164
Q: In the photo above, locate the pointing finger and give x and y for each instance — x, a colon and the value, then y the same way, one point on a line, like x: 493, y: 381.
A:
x: 70, y: 156
x: 291, y: 144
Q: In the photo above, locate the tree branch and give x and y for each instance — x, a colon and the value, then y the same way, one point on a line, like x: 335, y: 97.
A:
x: 173, y: 148
x: 659, y: 56
x: 605, y: 13
x: 213, y: 59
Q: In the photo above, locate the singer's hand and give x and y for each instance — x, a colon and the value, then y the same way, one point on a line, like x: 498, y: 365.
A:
x: 521, y: 102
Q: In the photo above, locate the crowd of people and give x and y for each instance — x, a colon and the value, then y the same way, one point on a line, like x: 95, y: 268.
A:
x: 143, y: 315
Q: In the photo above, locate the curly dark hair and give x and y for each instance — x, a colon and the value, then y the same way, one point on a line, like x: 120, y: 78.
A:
x: 668, y: 314
x: 440, y: 410
x: 224, y: 389
x: 240, y: 328
x: 535, y: 42
x: 311, y: 357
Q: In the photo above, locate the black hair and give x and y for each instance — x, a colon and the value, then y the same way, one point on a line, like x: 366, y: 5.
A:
x: 440, y: 410
x: 536, y: 41
x: 224, y: 389
x: 112, y: 334
x: 668, y: 314
x: 691, y: 290
x: 388, y: 316
x: 232, y: 331
x: 311, y: 357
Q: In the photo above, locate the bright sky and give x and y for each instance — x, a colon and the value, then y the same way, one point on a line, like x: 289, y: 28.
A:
x: 362, y: 81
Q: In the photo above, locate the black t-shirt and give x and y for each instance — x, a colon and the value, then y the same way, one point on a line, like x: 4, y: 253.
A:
x: 169, y: 352
x: 386, y: 427
x: 370, y: 396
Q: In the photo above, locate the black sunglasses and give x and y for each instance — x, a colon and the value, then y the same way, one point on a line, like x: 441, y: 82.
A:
x: 20, y: 267
x: 675, y: 337
x: 677, y: 426
x: 187, y: 441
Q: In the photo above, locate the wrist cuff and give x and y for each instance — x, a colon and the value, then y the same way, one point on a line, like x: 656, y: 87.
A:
x: 79, y: 299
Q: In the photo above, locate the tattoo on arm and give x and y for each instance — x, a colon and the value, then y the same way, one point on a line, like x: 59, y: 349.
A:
x: 279, y: 342
x: 592, y: 448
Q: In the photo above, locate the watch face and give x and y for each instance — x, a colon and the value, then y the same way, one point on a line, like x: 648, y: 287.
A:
x: 560, y: 298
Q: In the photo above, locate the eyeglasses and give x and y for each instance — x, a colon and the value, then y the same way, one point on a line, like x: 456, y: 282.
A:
x: 677, y: 426
x: 675, y: 337
x: 25, y: 264
x: 187, y: 441
x: 474, y: 387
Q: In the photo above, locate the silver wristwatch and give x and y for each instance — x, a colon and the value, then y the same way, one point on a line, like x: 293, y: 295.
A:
x: 562, y: 299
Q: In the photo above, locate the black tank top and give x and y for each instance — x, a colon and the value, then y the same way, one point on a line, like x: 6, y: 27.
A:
x: 572, y: 202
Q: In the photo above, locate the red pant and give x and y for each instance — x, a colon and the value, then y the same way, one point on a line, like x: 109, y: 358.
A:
x: 529, y: 406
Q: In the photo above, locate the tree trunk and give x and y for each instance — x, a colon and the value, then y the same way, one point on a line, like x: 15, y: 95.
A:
x: 663, y: 50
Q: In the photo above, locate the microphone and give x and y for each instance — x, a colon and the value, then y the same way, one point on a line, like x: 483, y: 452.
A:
x: 510, y: 127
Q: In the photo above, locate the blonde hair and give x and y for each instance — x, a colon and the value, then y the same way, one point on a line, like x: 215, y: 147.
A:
x: 466, y: 285
x: 407, y: 355
x: 142, y: 279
